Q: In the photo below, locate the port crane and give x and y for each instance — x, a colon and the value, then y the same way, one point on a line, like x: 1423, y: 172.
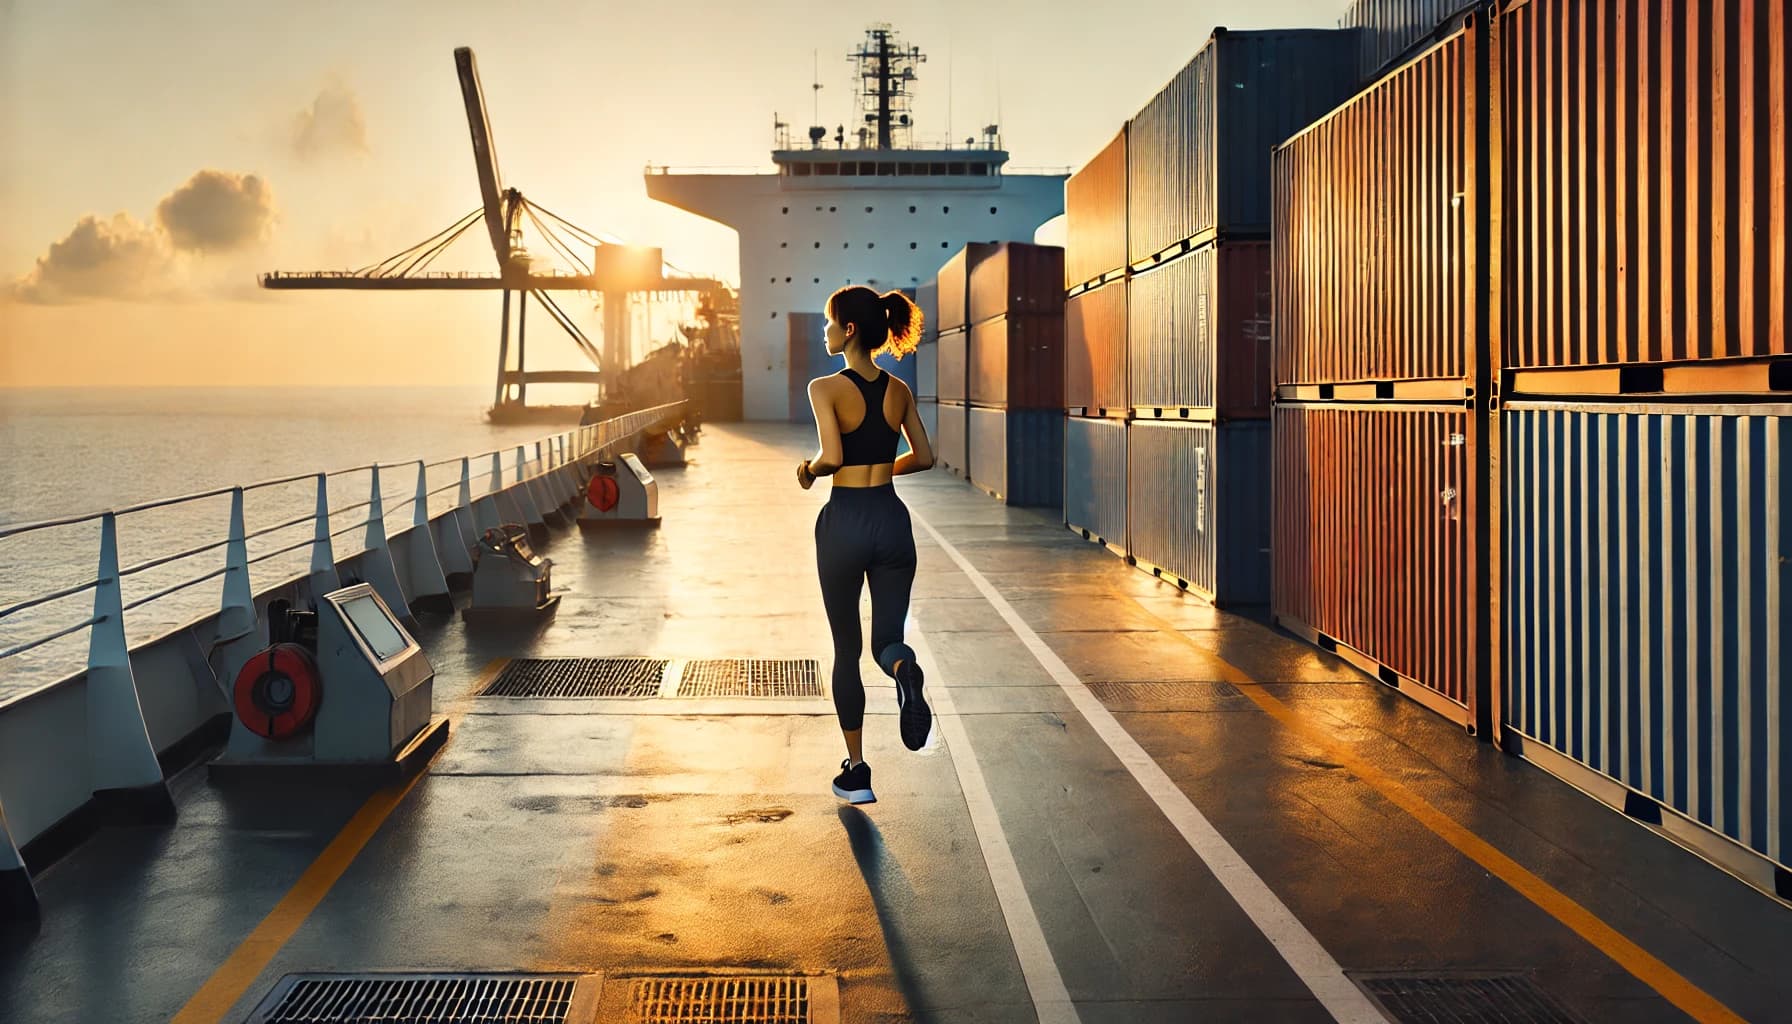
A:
x: 614, y: 272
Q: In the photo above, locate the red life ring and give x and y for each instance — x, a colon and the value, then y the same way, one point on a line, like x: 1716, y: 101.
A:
x: 277, y: 692
x: 603, y: 493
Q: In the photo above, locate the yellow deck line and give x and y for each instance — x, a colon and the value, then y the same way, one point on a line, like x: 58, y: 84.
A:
x: 1651, y: 971
x: 252, y: 956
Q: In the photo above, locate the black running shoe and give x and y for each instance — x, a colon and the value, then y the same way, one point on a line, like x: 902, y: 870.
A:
x: 916, y: 717
x: 853, y: 784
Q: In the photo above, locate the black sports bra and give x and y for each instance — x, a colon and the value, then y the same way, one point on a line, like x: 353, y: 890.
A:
x: 873, y: 441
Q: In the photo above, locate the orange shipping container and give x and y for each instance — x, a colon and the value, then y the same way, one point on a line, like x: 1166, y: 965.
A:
x: 1095, y: 351
x: 1018, y: 277
x: 1095, y: 216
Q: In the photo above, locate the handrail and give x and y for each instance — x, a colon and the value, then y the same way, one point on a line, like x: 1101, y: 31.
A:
x: 541, y: 457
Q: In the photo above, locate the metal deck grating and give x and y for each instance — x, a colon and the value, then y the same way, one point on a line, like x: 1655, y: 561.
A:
x: 1464, y: 999
x: 1164, y: 692
x: 760, y: 1000
x: 578, y: 677
x: 751, y: 678
x: 418, y: 999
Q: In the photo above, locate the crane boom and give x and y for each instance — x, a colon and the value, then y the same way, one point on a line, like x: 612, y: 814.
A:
x: 485, y: 157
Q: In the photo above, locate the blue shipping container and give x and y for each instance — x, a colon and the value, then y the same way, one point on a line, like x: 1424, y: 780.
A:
x: 1648, y: 558
x: 1017, y: 455
x: 1197, y: 505
x: 1095, y: 478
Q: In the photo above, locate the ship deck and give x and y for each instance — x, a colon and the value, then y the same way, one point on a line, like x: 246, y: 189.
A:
x: 1134, y: 808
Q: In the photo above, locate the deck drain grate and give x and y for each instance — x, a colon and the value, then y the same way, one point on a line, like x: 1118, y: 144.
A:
x: 762, y: 1000
x: 1179, y: 693
x: 751, y: 678
x: 1465, y: 999
x: 418, y: 999
x: 578, y: 677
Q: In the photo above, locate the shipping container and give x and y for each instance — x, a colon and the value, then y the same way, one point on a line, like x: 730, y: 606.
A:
x: 1095, y: 216
x: 1197, y: 506
x: 953, y: 444
x: 1389, y: 31
x: 1095, y: 351
x: 927, y: 299
x: 1198, y: 153
x: 1095, y: 479
x: 927, y: 370
x: 1198, y: 332
x: 1644, y: 168
x: 1378, y: 229
x: 1018, y: 362
x: 930, y: 422
x: 954, y: 282
x: 953, y: 352
x: 808, y: 359
x: 1018, y: 277
x: 1648, y: 636
x: 1379, y: 550
x: 1017, y: 455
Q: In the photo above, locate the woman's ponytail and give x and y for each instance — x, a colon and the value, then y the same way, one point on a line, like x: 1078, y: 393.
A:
x: 905, y: 324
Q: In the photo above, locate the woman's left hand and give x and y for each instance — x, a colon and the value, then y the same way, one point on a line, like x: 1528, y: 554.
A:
x: 803, y: 476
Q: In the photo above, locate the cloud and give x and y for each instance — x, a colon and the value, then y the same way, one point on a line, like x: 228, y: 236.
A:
x: 100, y: 259
x: 333, y: 124
x: 217, y: 211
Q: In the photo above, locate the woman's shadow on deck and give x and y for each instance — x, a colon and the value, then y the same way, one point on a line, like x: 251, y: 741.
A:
x: 893, y: 896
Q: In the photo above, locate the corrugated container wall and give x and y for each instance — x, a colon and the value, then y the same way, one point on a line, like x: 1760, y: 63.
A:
x: 1095, y: 216
x: 1375, y: 527
x: 807, y: 359
x: 1018, y: 361
x: 954, y: 450
x: 1198, y: 332
x: 953, y: 352
x: 1095, y: 478
x: 1017, y: 455
x: 1648, y: 566
x: 1095, y: 350
x: 1387, y: 31
x: 927, y: 299
x: 1198, y: 153
x: 1197, y: 500
x: 1376, y: 230
x: 1645, y: 169
x: 927, y: 370
x: 1018, y: 277
x: 954, y: 281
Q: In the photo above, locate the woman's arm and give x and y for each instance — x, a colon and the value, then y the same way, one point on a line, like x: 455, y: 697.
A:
x: 827, y: 430
x: 919, y: 456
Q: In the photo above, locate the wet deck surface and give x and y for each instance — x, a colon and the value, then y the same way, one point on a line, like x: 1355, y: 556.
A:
x: 678, y: 834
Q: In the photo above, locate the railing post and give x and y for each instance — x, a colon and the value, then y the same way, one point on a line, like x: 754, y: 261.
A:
x: 323, y: 577
x: 425, y: 578
x: 492, y: 510
x: 376, y: 562
x: 126, y: 778
x: 236, y: 618
x: 526, y: 501
x: 569, y: 473
x: 452, y: 532
x: 18, y: 897
x: 534, y: 486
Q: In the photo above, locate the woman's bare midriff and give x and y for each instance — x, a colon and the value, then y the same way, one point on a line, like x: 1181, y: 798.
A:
x: 864, y: 476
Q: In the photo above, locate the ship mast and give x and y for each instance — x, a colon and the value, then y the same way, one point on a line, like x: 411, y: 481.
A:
x: 885, y: 69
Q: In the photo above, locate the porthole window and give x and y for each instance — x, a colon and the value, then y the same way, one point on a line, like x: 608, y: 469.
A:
x: 867, y: 209
x: 911, y: 209
x: 783, y: 245
x: 944, y: 244
x: 787, y: 280
x: 774, y: 314
x: 817, y: 245
x: 833, y: 209
x: 818, y: 280
x: 870, y: 245
x: 787, y: 209
x: 914, y: 245
x: 845, y: 245
x: 945, y: 209
x: 774, y: 280
x: 992, y: 209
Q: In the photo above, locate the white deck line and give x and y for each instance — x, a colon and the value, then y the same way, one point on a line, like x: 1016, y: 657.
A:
x: 1297, y: 946
x: 1051, y: 1000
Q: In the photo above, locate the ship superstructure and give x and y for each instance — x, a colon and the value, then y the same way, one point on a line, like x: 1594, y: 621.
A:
x: 870, y: 207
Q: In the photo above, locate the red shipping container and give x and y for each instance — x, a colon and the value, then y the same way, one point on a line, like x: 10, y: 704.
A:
x: 1018, y: 362
x: 955, y: 284
x: 1095, y: 216
x: 1017, y: 278
x: 1095, y: 350
x: 951, y: 369
x: 1377, y: 229
x: 1198, y: 332
x: 1378, y: 511
x: 1644, y: 165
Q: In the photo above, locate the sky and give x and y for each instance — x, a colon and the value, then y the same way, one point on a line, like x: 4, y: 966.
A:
x: 154, y: 158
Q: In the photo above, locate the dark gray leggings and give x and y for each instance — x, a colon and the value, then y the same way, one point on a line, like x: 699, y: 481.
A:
x: 864, y: 533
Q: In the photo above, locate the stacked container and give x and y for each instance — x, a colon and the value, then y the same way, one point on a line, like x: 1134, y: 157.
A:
x: 1645, y: 409
x: 1381, y: 311
x: 1014, y: 374
x: 1390, y: 31
x: 1198, y: 303
x: 952, y: 293
x: 1095, y: 268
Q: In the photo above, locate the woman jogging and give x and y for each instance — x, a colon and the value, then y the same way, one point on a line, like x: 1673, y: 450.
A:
x: 863, y: 532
